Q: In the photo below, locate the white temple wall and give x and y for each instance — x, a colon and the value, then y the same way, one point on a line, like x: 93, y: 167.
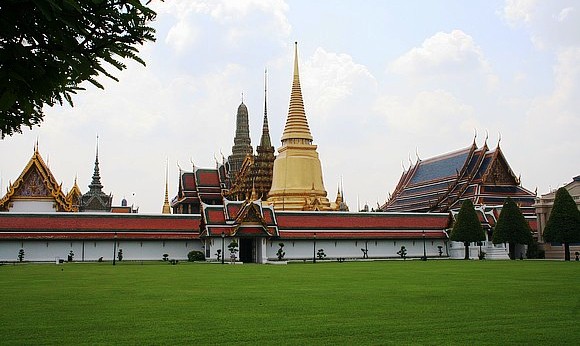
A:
x: 492, y: 251
x: 92, y: 250
x: 32, y: 206
x: 304, y: 249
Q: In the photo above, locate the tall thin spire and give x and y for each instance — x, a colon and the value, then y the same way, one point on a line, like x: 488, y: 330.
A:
x: 265, y: 142
x: 96, y: 182
x: 296, y: 123
x: 166, y: 207
x: 95, y: 199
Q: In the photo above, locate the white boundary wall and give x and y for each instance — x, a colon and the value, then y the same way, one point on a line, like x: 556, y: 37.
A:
x: 92, y: 250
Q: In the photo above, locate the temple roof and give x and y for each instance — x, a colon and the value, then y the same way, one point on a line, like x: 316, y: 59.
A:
x: 296, y: 123
x: 36, y: 182
x: 234, y: 218
x: 441, y: 183
x: 97, y: 226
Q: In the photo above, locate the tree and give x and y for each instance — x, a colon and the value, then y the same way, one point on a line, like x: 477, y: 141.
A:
x: 49, y: 47
x: 233, y: 247
x: 280, y: 253
x: 402, y: 253
x: 563, y: 226
x: 512, y: 228
x: 467, y: 227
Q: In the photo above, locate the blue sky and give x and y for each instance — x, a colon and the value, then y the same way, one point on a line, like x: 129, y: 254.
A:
x: 382, y: 82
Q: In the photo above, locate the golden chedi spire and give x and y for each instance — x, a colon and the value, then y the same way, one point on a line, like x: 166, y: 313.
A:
x: 296, y: 123
x: 166, y: 207
x: 297, y: 182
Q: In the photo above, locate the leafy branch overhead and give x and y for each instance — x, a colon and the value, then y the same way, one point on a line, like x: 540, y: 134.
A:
x: 49, y: 47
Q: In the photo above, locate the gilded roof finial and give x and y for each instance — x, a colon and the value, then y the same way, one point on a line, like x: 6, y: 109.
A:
x: 166, y: 207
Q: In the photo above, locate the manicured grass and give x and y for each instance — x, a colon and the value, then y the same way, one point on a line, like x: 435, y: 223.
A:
x: 391, y: 302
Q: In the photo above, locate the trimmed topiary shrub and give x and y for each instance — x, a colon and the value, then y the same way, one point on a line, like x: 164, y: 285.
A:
x: 195, y: 256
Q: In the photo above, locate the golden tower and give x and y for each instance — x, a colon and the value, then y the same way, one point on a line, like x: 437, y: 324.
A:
x: 297, y: 178
x: 166, y: 207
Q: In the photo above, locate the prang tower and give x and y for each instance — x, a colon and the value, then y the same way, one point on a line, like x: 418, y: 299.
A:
x: 297, y: 182
x: 242, y: 143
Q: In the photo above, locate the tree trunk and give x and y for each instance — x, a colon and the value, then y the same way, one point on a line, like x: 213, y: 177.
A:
x: 566, y: 251
x: 512, y: 251
x: 466, y: 250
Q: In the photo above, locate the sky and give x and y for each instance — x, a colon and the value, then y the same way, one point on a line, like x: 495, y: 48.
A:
x: 384, y: 83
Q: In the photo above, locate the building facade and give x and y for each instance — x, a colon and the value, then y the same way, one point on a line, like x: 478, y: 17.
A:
x: 543, y: 206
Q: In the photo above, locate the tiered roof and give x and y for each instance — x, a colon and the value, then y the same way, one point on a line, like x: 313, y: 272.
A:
x: 203, y: 185
x: 441, y: 183
x: 239, y: 218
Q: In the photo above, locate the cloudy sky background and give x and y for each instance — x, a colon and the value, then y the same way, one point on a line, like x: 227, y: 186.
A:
x: 382, y: 82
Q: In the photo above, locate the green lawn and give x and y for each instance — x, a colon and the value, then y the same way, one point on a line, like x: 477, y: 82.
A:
x: 390, y: 302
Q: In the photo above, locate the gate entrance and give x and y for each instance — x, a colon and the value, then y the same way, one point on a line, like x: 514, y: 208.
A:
x: 248, y: 250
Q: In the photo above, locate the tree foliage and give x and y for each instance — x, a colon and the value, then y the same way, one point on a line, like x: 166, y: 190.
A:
x: 563, y: 226
x: 512, y: 227
x: 49, y: 47
x: 467, y: 227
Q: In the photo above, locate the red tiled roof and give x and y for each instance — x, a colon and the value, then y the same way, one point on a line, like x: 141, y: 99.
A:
x: 362, y: 234
x: 214, y: 215
x: 362, y: 221
x: 188, y: 181
x: 58, y: 222
x: 207, y: 177
x: 99, y: 235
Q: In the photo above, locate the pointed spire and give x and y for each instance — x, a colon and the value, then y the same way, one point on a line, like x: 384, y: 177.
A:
x: 166, y: 208
x: 296, y: 123
x: 254, y: 195
x: 265, y: 142
x: 96, y: 182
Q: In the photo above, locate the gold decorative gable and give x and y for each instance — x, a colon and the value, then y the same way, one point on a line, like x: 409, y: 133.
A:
x: 36, y: 182
x: 250, y: 214
x: 33, y: 185
x: 499, y: 171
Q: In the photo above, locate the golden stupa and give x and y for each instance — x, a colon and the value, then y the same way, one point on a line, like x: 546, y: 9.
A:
x: 297, y: 178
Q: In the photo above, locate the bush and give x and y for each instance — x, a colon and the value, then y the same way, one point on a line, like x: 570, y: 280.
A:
x: 534, y: 251
x: 195, y: 256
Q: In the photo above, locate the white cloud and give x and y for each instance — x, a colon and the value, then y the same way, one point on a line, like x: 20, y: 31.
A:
x: 330, y: 80
x: 550, y: 24
x: 442, y: 53
x: 563, y: 15
x: 181, y: 35
x: 428, y: 113
x: 229, y: 21
x: 516, y: 11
